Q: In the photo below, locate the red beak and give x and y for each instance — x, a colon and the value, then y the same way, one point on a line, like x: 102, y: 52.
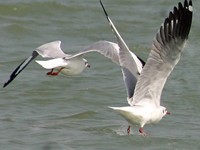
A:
x: 168, y: 113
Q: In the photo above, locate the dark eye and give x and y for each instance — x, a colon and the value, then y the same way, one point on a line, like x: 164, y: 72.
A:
x: 163, y: 111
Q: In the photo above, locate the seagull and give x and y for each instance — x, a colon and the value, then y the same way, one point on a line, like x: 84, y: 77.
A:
x: 68, y: 64
x: 165, y: 53
x: 73, y: 64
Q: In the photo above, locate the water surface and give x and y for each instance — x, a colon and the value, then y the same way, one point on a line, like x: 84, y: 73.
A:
x: 71, y: 113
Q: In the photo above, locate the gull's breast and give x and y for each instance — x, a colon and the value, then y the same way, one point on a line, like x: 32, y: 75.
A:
x: 74, y: 66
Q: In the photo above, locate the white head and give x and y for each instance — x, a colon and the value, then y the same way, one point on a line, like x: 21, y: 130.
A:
x: 86, y: 63
x: 164, y: 111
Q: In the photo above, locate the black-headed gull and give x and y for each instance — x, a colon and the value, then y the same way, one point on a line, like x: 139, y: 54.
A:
x: 66, y: 63
x: 166, y: 50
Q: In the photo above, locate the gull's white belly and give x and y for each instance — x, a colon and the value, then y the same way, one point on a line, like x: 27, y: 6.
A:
x: 131, y: 116
x: 139, y: 114
x: 74, y: 66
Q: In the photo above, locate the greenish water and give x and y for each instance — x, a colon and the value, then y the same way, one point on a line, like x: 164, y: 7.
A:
x: 71, y: 113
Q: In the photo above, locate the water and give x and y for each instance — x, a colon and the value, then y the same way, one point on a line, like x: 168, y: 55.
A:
x: 70, y: 113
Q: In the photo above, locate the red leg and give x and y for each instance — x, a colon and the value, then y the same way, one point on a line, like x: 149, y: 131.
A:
x: 54, y: 73
x: 128, y: 130
x: 142, y: 132
x: 50, y: 72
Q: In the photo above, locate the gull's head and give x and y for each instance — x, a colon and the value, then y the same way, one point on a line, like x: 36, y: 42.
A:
x: 164, y: 111
x: 86, y: 63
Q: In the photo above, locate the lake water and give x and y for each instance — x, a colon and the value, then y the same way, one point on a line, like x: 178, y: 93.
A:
x: 38, y: 112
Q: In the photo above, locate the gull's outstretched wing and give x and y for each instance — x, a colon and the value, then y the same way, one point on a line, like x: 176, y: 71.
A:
x: 48, y: 50
x: 106, y: 48
x: 20, y: 68
x: 51, y: 50
x: 131, y: 64
x: 165, y: 54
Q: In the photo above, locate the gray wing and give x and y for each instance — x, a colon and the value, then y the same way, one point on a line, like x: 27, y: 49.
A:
x: 51, y: 50
x: 130, y: 63
x: 165, y: 54
x: 106, y: 48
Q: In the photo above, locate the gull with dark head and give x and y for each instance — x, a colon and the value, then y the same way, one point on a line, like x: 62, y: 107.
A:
x: 168, y: 44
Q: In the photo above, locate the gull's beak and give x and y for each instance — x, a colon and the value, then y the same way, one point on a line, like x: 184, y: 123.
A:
x: 168, y: 113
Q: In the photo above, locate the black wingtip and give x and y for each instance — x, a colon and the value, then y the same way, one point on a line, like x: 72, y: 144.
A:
x: 186, y: 20
x: 103, y: 8
x: 21, y: 67
x: 190, y: 2
x: 178, y: 24
x: 13, y: 75
x: 112, y: 26
x: 6, y: 83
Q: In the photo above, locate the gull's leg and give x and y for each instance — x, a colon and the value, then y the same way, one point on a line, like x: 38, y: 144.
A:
x: 54, y: 73
x: 142, y: 132
x: 128, y: 130
x: 50, y: 72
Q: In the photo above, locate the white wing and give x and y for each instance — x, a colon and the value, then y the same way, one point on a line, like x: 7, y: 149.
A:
x: 165, y: 54
x: 51, y: 50
x: 130, y: 63
x: 106, y: 48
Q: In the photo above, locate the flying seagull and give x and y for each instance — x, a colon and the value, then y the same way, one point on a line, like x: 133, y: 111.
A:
x: 167, y: 47
x: 72, y: 64
x: 68, y: 64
